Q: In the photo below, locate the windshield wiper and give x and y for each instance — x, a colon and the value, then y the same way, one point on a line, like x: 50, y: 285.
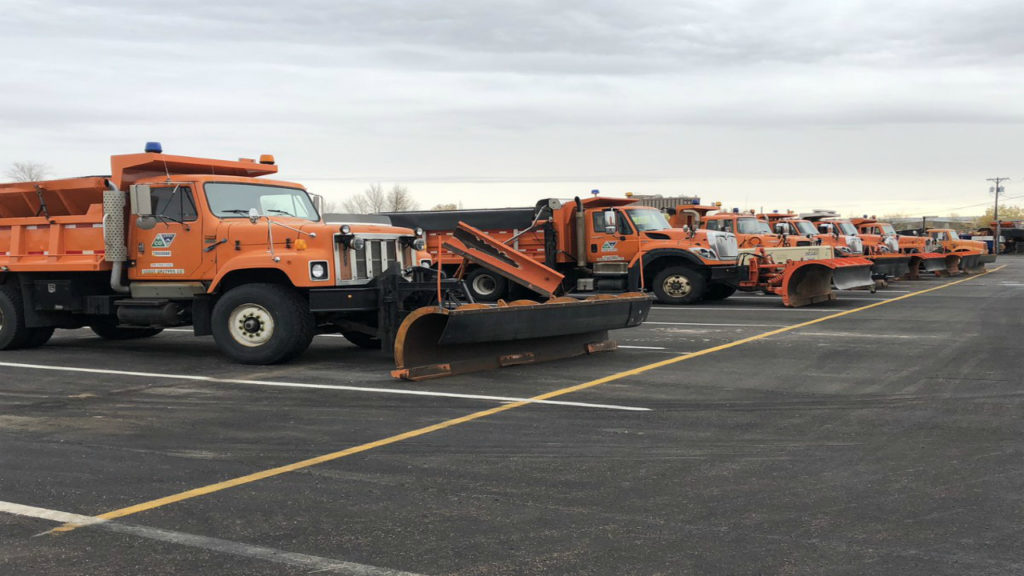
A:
x: 236, y: 211
x: 281, y: 212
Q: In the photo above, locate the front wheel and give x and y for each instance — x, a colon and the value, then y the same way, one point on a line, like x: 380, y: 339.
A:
x: 679, y: 285
x: 262, y: 324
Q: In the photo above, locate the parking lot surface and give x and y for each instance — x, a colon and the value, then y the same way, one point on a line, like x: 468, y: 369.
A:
x: 877, y: 434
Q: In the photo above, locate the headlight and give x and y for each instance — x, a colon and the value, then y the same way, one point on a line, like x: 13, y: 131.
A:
x: 318, y: 270
x: 426, y: 263
x: 419, y: 244
x: 705, y: 253
x: 346, y: 229
x: 357, y: 243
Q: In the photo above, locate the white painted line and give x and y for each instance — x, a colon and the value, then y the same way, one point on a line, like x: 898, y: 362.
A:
x: 710, y: 324
x: 314, y: 563
x: 399, y: 391
x: 642, y: 347
x: 779, y: 308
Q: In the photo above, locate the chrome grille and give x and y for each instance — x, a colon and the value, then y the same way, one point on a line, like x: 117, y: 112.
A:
x: 376, y: 256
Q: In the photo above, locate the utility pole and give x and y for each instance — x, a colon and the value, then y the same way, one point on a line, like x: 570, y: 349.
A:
x: 995, y: 212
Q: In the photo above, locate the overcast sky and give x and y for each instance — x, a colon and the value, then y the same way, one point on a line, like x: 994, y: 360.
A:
x: 873, y: 106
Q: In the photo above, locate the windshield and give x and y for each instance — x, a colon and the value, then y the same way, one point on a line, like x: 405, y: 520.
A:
x: 752, y: 226
x: 233, y: 200
x: 806, y: 228
x: 887, y: 228
x: 648, y: 219
x: 846, y: 228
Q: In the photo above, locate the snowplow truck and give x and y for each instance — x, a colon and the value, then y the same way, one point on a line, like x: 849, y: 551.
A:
x: 599, y: 245
x: 800, y: 270
x: 973, y: 254
x: 611, y: 245
x: 170, y: 240
x: 887, y: 262
x: 920, y: 250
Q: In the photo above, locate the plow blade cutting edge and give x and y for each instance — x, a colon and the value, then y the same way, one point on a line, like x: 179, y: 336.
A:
x: 434, y: 342
x: 807, y: 282
x: 971, y: 262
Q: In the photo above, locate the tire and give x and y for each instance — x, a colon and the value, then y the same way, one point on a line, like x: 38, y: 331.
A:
x: 13, y: 333
x: 262, y: 324
x: 486, y: 286
x: 719, y: 292
x: 679, y: 285
x: 363, y: 340
x: 109, y: 330
x: 37, y: 337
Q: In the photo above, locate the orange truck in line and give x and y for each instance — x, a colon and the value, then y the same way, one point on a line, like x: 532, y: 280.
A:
x: 611, y: 245
x: 973, y: 254
x: 599, y: 245
x: 170, y: 240
x: 921, y: 250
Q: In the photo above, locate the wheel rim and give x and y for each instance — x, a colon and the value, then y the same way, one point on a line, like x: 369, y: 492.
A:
x: 251, y: 325
x: 484, y: 285
x: 677, y: 286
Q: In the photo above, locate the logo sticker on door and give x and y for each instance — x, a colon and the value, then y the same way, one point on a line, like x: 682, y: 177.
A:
x: 163, y: 240
x: 608, y: 246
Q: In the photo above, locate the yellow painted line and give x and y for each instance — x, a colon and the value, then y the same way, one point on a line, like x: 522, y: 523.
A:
x: 249, y: 478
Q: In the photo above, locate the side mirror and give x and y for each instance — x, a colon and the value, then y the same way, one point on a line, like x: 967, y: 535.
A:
x: 141, y: 200
x: 609, y: 222
x: 780, y: 228
x: 254, y: 215
x: 145, y: 222
x: 318, y: 203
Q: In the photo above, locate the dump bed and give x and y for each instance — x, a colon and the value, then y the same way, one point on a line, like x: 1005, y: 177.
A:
x: 52, y: 225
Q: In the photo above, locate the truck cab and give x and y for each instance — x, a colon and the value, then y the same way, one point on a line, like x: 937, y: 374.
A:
x: 877, y: 233
x: 948, y: 240
x: 837, y: 232
x: 750, y: 231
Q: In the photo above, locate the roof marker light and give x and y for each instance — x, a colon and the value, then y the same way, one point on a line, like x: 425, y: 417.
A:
x: 595, y: 191
x: 154, y: 147
x: 266, y: 158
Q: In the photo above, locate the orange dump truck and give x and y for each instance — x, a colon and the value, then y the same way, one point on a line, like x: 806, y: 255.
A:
x: 171, y: 240
x: 973, y: 254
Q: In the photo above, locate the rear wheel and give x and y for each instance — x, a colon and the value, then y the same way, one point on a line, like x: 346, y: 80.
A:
x: 13, y: 333
x: 679, y: 285
x: 719, y: 292
x: 108, y: 329
x: 262, y: 324
x: 486, y: 286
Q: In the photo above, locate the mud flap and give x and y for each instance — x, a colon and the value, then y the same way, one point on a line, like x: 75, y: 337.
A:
x: 433, y: 342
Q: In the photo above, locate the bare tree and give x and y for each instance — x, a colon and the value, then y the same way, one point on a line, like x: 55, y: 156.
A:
x: 28, y: 171
x: 375, y: 199
x: 448, y: 206
x: 400, y: 200
x: 369, y: 201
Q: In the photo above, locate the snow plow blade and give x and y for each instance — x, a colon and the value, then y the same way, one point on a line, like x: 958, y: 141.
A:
x: 927, y: 262
x: 433, y: 342
x: 806, y: 282
x: 971, y: 263
x: 890, y: 265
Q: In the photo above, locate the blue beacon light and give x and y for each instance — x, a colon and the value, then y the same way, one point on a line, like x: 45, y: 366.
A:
x: 154, y: 147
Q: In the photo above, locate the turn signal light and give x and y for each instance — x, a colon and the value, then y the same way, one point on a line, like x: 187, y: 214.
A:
x: 266, y: 158
x: 300, y: 244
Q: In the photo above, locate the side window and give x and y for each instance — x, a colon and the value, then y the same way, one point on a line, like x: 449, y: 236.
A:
x: 598, y: 217
x: 174, y: 203
x: 713, y: 225
x: 727, y: 225
x: 622, y: 223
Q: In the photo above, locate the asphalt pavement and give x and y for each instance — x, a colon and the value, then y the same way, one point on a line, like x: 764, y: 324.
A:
x: 877, y: 434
